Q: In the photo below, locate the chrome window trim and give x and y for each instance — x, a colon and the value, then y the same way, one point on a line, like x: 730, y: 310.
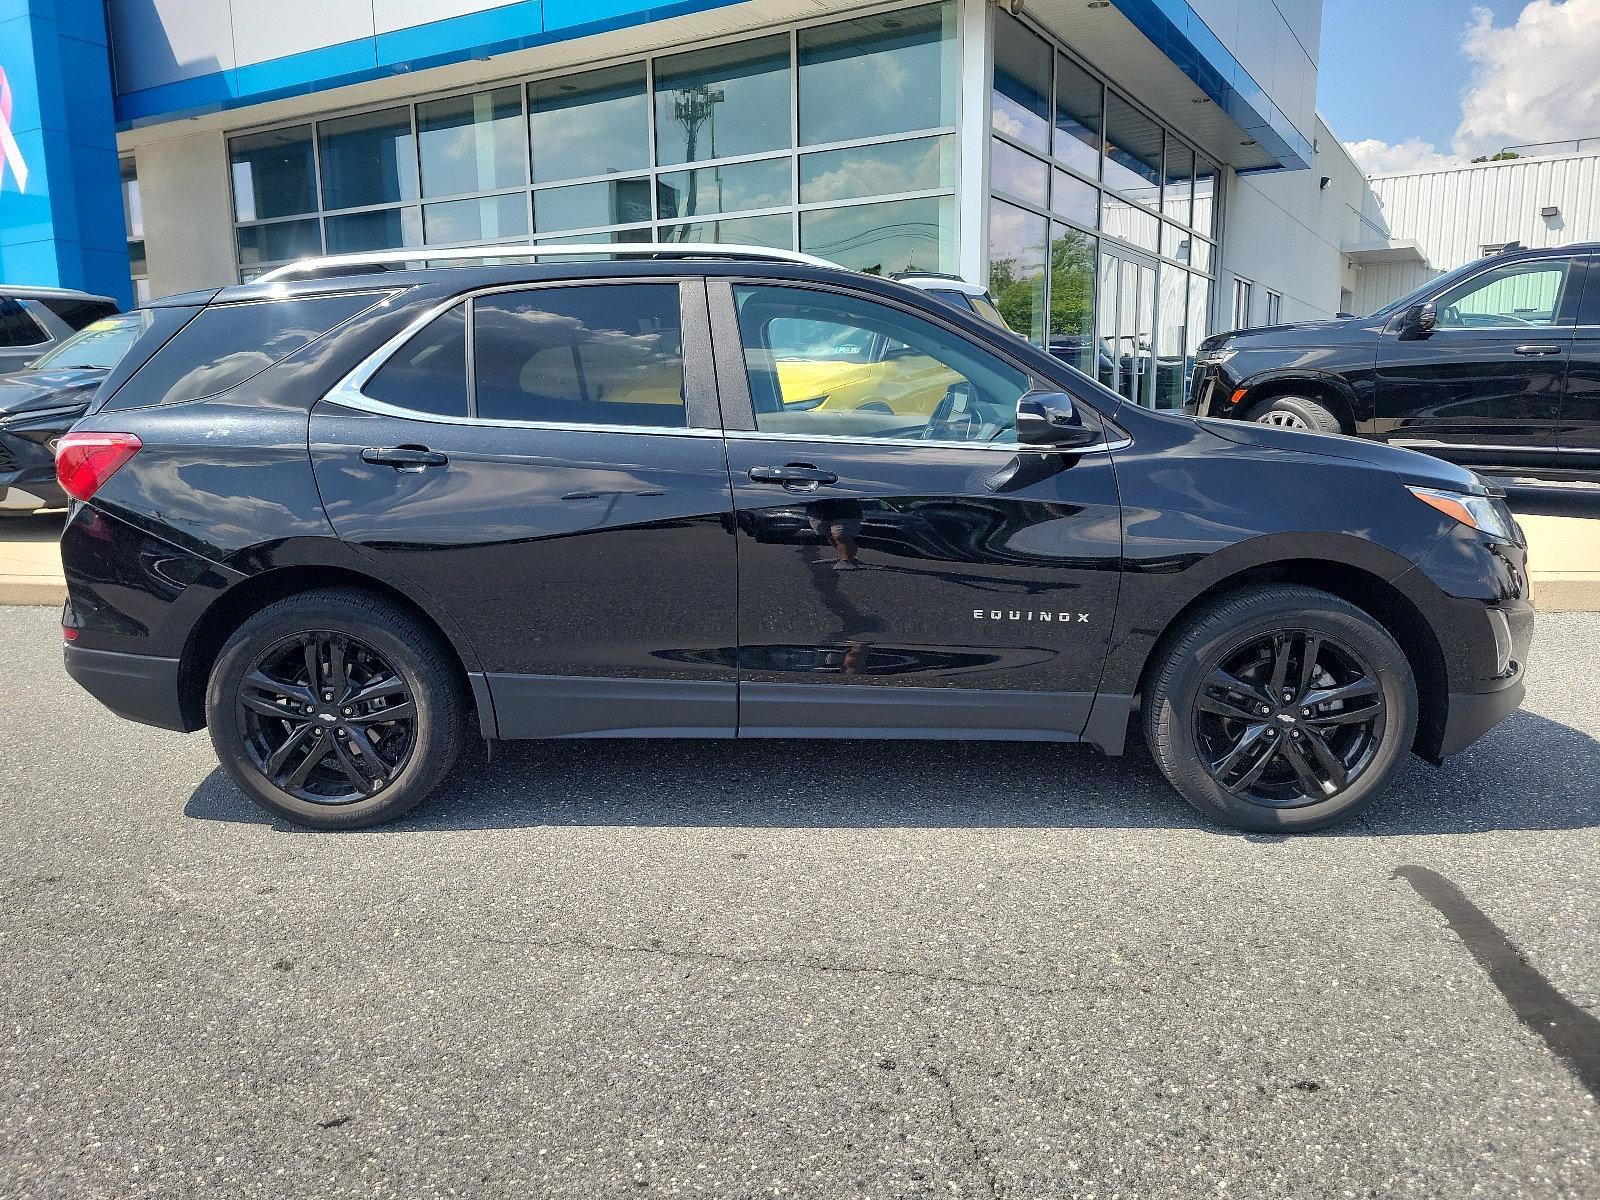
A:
x: 1012, y: 448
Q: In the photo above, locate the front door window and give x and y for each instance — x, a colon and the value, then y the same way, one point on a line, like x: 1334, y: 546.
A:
x: 825, y: 365
x: 1523, y: 295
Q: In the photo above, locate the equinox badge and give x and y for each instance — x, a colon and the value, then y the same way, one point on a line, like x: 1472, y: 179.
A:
x: 1012, y: 614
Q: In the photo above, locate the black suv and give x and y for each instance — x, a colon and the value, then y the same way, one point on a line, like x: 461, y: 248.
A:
x: 348, y: 523
x: 1495, y: 365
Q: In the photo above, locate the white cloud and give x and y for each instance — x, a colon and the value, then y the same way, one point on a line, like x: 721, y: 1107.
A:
x: 1531, y: 81
x: 1377, y: 157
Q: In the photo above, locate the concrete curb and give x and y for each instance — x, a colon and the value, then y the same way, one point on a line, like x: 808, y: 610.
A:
x: 21, y: 589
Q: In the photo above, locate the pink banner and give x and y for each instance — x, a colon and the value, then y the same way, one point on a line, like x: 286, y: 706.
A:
x: 10, y: 152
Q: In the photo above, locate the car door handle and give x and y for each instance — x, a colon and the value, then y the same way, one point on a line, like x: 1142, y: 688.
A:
x: 1538, y: 349
x: 793, y: 475
x: 404, y: 457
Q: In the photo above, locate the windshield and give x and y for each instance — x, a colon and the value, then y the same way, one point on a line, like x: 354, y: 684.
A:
x: 100, y: 345
x: 1418, y: 294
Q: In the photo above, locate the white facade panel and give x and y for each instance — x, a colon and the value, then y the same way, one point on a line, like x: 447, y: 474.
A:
x: 402, y: 14
x: 163, y: 41
x: 268, y: 29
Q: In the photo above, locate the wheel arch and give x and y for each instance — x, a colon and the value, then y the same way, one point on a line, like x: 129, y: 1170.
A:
x: 1335, y: 394
x: 1378, y: 597
x: 255, y: 592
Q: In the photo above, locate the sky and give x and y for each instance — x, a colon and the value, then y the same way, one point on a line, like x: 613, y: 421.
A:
x: 1417, y: 83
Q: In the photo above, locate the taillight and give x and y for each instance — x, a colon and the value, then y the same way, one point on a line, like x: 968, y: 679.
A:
x: 84, y: 461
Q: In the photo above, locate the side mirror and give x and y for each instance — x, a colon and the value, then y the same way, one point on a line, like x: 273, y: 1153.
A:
x: 1419, y: 320
x: 1052, y: 419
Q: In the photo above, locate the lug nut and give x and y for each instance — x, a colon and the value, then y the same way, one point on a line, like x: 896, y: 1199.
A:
x: 327, y: 695
x: 316, y: 729
x: 350, y: 712
x: 1305, y: 712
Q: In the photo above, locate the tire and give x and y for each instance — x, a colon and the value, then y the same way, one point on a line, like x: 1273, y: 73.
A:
x: 1190, y: 734
x: 1296, y: 412
x: 400, y: 733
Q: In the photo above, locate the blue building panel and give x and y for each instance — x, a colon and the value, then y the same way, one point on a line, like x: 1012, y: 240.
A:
x: 61, y: 221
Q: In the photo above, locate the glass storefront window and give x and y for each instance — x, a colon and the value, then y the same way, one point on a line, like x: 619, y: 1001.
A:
x: 1072, y: 260
x: 913, y: 165
x: 590, y: 205
x: 1178, y: 187
x: 1129, y: 222
x: 594, y: 123
x: 382, y: 229
x: 775, y: 231
x: 884, y: 239
x: 725, y: 101
x: 273, y: 174
x: 369, y: 158
x: 1205, y: 195
x: 278, y: 241
x: 487, y: 219
x: 889, y: 73
x: 1199, y: 303
x: 731, y: 187
x: 1018, y: 174
x: 1074, y: 199
x: 1021, y: 105
x: 1132, y: 151
x: 1172, y: 371
x: 1078, y: 99
x: 472, y: 143
x: 1017, y: 251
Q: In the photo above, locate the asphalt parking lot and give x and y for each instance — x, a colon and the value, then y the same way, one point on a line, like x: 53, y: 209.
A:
x: 831, y: 970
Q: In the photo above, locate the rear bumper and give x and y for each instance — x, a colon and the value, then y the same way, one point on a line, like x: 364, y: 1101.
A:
x: 140, y: 687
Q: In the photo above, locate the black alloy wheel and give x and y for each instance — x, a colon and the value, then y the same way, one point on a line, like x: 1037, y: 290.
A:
x: 326, y: 719
x: 337, y: 708
x: 1289, y: 718
x: 1279, y: 708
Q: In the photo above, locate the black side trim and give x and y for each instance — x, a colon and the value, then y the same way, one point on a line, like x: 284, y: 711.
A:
x: 483, y: 700
x: 841, y: 710
x: 561, y: 706
x: 140, y: 687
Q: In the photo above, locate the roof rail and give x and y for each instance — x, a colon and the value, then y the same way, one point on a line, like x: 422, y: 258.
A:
x: 333, y: 263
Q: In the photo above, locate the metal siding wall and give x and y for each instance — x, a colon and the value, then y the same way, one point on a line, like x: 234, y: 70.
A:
x: 1454, y: 214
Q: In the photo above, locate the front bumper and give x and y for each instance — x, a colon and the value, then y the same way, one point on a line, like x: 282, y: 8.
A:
x: 29, y: 467
x: 140, y: 687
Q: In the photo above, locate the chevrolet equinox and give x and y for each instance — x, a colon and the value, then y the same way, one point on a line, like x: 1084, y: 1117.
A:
x: 346, y: 522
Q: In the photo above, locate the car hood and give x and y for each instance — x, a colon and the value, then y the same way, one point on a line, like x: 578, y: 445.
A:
x: 1298, y: 334
x: 1410, y: 464
x: 22, y: 391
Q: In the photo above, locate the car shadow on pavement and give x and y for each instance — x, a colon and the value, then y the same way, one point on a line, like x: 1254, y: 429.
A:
x: 1529, y: 773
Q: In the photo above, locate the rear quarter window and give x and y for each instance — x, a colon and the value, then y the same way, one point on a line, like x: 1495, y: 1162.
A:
x: 227, y: 344
x: 17, y: 326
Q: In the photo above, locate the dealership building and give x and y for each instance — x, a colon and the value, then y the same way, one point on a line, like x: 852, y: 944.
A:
x: 1123, y: 173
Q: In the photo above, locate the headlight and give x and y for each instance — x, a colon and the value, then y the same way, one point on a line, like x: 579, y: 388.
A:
x: 1478, y: 512
x: 1215, y: 358
x: 33, y: 416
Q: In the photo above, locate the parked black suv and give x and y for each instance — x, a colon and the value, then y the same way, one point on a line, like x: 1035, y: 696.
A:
x: 1495, y: 366
x: 347, y: 523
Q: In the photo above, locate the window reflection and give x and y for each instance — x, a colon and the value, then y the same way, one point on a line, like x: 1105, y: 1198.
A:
x: 775, y: 231
x: 385, y: 229
x: 884, y: 239
x: 596, y: 123
x: 472, y: 143
x: 1078, y: 100
x: 1021, y: 106
x: 1177, y: 191
x: 490, y: 218
x: 584, y: 205
x: 889, y: 73
x: 1172, y: 367
x: 1017, y: 250
x: 726, y: 101
x: 1074, y: 199
x: 277, y: 242
x: 1023, y: 176
x: 1072, y: 260
x: 1205, y: 188
x: 1129, y: 222
x: 1132, y: 151
x: 369, y: 158
x: 727, y: 188
x: 914, y: 165
x: 272, y: 174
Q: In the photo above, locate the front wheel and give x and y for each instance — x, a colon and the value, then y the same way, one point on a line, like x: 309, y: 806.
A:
x: 1296, y: 412
x: 336, y: 709
x: 1281, y: 709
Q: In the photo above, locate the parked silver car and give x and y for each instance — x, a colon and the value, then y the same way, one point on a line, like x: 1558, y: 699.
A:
x: 34, y: 319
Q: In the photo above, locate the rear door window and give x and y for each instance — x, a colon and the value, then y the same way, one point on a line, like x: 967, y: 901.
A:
x: 230, y: 343
x: 595, y: 354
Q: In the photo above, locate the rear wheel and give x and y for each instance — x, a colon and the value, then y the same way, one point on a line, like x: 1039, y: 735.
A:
x: 1281, y: 709
x: 336, y: 709
x: 1296, y: 412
